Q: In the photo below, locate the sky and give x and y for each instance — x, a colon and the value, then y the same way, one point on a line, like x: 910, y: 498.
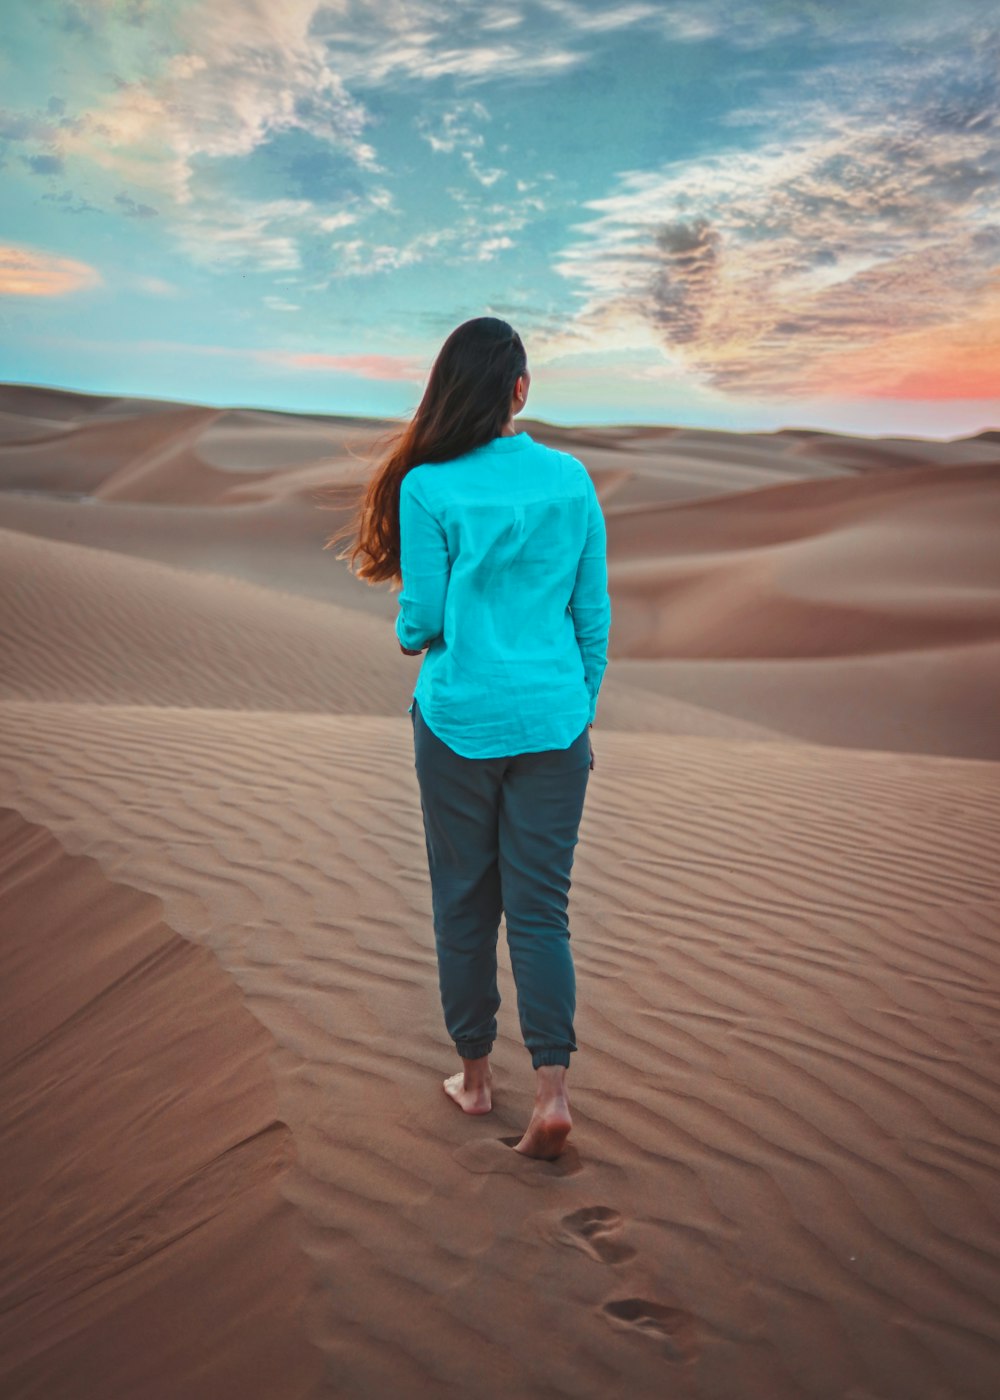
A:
x: 709, y: 213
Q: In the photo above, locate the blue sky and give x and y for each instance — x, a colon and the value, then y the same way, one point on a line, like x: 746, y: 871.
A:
x: 710, y: 213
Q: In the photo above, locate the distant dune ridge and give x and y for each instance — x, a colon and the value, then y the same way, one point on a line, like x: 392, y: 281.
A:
x: 229, y: 1166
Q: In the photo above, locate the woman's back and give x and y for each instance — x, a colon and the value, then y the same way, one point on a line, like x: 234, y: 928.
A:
x: 504, y: 580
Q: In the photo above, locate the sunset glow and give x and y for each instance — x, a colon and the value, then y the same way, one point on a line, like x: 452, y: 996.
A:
x: 745, y: 215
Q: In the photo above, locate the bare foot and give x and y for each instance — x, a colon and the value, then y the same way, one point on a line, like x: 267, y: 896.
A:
x: 472, y: 1087
x: 550, y: 1124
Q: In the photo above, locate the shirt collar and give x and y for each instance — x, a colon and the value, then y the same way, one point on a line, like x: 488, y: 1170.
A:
x: 515, y: 443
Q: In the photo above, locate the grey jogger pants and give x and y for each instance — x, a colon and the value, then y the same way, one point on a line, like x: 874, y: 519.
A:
x: 501, y: 836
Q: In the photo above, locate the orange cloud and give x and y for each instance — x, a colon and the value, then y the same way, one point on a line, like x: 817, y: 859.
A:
x: 31, y: 272
x: 954, y: 380
x: 364, y: 366
x: 960, y: 360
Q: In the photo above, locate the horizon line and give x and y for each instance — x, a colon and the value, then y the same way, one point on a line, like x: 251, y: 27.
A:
x: 542, y: 422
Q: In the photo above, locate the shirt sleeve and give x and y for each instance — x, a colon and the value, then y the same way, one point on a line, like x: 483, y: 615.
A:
x: 425, y: 569
x: 590, y: 603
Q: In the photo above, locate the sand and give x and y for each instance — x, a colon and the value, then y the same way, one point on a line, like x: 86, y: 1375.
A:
x: 230, y: 1168
x: 147, y: 1248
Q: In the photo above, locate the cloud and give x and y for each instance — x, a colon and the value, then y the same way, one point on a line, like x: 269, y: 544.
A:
x: 44, y: 164
x: 453, y: 129
x: 238, y: 71
x: 600, y: 20
x: 510, y: 20
x: 263, y: 234
x: 474, y: 238
x: 379, y: 367
x: 23, y: 126
x: 75, y: 20
x: 236, y: 75
x: 135, y: 210
x: 156, y: 286
x: 65, y: 201
x: 952, y: 360
x: 751, y: 25
x: 422, y: 41
x: 33, y: 272
x: 688, y: 254
x: 360, y: 257
x: 382, y: 367
x: 757, y: 270
x: 344, y: 218
x: 266, y: 235
x: 227, y: 78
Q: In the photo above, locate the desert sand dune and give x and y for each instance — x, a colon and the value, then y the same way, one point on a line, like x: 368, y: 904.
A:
x: 231, y: 1169
x: 100, y: 626
x: 891, y: 575
x: 929, y: 700
x: 240, y: 439
x: 785, y: 1108
x: 79, y: 457
x: 147, y: 1247
x: 813, y: 569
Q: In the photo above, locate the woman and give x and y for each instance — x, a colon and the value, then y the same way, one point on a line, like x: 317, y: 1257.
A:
x: 499, y: 546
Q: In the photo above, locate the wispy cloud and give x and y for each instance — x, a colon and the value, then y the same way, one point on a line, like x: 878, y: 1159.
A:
x: 423, y: 41
x: 492, y: 23
x: 156, y: 286
x: 756, y: 24
x: 240, y: 71
x: 602, y: 19
x: 959, y: 359
x: 25, y: 126
x: 829, y: 223
x: 226, y: 234
x: 344, y: 218
x: 227, y: 77
x: 42, y: 125
x: 477, y: 235
x: 755, y: 270
x: 33, y: 272
x: 384, y: 367
x: 69, y: 203
x: 44, y: 164
x: 134, y: 209
x: 363, y: 366
x: 454, y: 129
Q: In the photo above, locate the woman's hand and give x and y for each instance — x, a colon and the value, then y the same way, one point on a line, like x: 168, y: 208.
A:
x: 407, y: 652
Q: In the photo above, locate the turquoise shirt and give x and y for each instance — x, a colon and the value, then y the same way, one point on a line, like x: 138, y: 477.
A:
x: 503, y: 555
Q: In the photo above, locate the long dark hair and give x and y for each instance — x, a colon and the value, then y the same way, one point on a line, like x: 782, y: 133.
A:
x: 466, y: 403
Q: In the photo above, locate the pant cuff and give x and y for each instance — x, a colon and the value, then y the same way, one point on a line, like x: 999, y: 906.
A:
x: 550, y: 1057
x: 473, y: 1049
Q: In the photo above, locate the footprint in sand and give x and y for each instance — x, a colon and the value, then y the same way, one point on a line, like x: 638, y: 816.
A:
x: 594, y: 1229
x: 495, y: 1155
x: 672, y: 1326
